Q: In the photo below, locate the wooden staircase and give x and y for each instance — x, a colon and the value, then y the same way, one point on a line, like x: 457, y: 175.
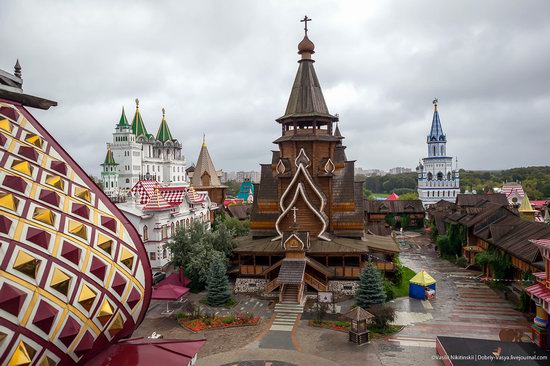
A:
x: 289, y: 294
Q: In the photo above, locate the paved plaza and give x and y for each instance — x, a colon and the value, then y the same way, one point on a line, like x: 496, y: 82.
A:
x: 464, y: 306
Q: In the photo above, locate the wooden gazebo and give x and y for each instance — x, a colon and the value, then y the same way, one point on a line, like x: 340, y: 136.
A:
x: 359, y: 333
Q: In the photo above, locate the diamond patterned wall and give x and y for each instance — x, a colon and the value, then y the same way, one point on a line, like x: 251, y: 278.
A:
x: 74, y: 274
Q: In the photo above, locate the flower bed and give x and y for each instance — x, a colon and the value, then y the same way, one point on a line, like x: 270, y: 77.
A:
x: 332, y: 325
x: 197, y: 324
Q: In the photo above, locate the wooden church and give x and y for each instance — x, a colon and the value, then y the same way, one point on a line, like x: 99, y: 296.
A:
x: 307, y: 220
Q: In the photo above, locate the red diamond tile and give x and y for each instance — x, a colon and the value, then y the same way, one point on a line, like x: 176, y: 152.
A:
x: 3, y: 139
x: 28, y: 152
x: 11, y: 299
x: 70, y: 252
x: 86, y: 344
x: 50, y: 197
x: 10, y: 113
x: 70, y: 331
x: 59, y: 167
x: 38, y: 237
x: 5, y: 224
x: 81, y: 210
x: 45, y: 316
x: 98, y: 268
x: 134, y: 298
x: 108, y: 223
x: 119, y: 283
x: 14, y: 182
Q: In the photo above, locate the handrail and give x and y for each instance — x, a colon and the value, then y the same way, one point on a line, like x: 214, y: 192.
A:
x: 272, y: 285
x: 318, y: 285
x: 300, y: 293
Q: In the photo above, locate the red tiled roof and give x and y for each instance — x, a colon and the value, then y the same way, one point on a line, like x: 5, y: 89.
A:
x: 540, y: 291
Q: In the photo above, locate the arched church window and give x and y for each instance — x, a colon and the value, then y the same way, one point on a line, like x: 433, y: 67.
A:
x: 430, y: 176
x: 127, y: 180
x: 449, y: 176
x: 437, y: 193
x: 439, y: 176
x: 434, y: 150
x: 145, y: 233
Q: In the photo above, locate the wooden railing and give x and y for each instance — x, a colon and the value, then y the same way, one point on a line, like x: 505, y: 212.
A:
x: 281, y: 292
x: 315, y: 283
x: 251, y: 269
x: 301, y: 292
x: 272, y: 285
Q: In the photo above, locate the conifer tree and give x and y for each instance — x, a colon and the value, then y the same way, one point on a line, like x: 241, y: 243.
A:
x: 218, y: 285
x: 371, y: 287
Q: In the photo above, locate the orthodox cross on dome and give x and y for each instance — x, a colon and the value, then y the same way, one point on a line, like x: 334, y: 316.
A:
x: 305, y: 20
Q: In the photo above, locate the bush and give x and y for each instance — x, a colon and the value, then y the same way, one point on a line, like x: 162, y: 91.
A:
x: 444, y: 246
x: 462, y: 262
x: 229, y: 319
x: 524, y: 303
x: 388, y: 289
x: 383, y: 315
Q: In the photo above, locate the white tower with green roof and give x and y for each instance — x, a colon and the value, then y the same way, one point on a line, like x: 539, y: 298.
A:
x: 109, y: 174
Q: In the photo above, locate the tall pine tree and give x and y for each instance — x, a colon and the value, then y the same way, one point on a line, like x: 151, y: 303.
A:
x: 371, y: 288
x: 218, y: 285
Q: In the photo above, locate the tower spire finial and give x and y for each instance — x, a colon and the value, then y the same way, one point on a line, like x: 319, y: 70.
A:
x: 137, y: 103
x: 305, y: 20
x: 203, y: 139
x: 163, y: 113
x: 435, y: 103
x: 17, y: 69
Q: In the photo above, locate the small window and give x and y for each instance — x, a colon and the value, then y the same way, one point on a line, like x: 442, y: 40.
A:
x: 153, y: 256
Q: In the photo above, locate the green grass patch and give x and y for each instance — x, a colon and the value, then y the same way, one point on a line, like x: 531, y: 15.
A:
x: 380, y: 195
x: 403, y: 288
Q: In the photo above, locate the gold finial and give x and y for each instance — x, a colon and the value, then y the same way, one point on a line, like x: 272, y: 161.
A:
x: 163, y: 113
x: 435, y: 102
x: 137, y: 103
x: 203, y: 139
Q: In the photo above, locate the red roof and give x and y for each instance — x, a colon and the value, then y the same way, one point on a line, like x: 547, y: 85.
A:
x: 157, y: 202
x: 169, y: 292
x: 540, y: 275
x: 540, y: 291
x: 176, y: 278
x: 392, y: 197
x: 141, y: 351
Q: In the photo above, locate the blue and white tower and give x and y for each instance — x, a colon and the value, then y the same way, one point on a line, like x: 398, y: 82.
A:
x: 437, y: 180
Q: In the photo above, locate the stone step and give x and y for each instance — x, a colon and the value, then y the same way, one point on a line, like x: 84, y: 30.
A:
x: 286, y: 306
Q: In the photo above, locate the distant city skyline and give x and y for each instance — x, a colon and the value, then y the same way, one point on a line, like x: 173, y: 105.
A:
x: 380, y: 65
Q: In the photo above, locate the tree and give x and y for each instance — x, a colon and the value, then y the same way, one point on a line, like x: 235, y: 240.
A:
x: 222, y: 240
x: 411, y: 196
x: 383, y: 315
x: 185, y: 239
x: 198, y: 264
x: 237, y: 227
x: 218, y: 285
x: 371, y: 287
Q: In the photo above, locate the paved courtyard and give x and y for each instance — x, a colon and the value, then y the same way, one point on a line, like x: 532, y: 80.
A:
x: 463, y: 307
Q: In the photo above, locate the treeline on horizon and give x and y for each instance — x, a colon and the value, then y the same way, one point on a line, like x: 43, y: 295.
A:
x: 535, y: 181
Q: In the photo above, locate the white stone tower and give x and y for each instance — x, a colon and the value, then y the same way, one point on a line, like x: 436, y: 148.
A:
x: 437, y: 180
x: 109, y: 174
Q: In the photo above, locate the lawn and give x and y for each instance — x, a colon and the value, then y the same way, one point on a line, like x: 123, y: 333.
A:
x: 380, y: 195
x: 403, y: 288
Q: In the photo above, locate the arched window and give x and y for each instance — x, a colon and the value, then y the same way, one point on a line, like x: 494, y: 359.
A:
x: 430, y: 176
x: 172, y: 230
x: 449, y: 176
x: 434, y: 150
x: 127, y: 180
x: 437, y: 193
x: 439, y: 176
x: 145, y: 233
x: 442, y: 151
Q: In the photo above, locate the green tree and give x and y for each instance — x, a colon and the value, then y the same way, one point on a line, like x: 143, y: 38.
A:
x: 371, y: 287
x: 233, y: 187
x: 222, y: 240
x: 185, y: 239
x: 237, y: 227
x: 411, y: 196
x: 218, y: 284
x: 444, y: 246
x: 198, y: 264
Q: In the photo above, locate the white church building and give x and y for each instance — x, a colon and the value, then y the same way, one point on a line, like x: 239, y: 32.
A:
x: 136, y: 154
x: 437, y: 180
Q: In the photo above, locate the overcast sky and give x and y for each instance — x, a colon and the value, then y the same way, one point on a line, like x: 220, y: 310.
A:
x: 225, y: 68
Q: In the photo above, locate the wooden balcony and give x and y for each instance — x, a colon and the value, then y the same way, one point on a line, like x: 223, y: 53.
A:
x: 251, y: 269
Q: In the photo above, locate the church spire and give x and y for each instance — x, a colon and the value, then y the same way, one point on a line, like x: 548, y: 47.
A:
x: 436, y: 132
x: 205, y: 173
x: 306, y: 97
x: 164, y: 133
x: 109, y: 158
x: 123, y: 122
x: 138, y: 127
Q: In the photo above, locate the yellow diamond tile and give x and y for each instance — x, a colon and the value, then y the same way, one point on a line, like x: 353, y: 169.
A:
x: 55, y: 181
x: 105, y: 243
x: 78, y: 229
x: 9, y: 201
x: 116, y: 326
x: 86, y: 297
x: 127, y: 258
x: 20, y: 356
x: 105, y: 312
x: 44, y: 215
x: 46, y: 361
x: 83, y: 194
x: 5, y: 125
x: 26, y: 264
x: 22, y: 166
x: 34, y: 139
x: 60, y: 281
